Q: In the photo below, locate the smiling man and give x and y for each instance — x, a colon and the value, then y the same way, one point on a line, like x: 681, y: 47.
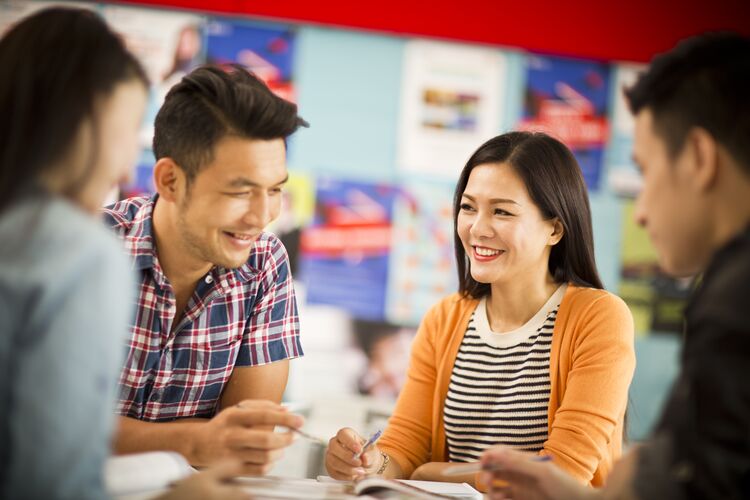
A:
x: 215, y: 321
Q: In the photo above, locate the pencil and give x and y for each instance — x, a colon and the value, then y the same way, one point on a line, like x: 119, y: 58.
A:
x: 308, y: 436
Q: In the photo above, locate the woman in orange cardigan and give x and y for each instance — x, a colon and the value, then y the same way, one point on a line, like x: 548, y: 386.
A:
x: 531, y: 352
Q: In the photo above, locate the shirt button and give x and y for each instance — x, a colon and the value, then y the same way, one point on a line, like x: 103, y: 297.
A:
x: 209, y: 279
x: 156, y: 396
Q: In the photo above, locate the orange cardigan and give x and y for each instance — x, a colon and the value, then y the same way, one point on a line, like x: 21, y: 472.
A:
x: 592, y: 360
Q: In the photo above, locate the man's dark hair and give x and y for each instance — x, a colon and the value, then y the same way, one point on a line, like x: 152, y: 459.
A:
x: 211, y: 103
x: 704, y: 82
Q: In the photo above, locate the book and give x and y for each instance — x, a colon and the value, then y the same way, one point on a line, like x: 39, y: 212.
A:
x: 388, y: 488
x: 141, y: 476
x: 371, y: 487
x: 380, y: 487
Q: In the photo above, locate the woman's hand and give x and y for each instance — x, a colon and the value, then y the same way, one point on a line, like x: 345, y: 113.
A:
x: 341, y: 452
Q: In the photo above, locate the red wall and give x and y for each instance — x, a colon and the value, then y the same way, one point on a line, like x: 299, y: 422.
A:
x: 628, y: 30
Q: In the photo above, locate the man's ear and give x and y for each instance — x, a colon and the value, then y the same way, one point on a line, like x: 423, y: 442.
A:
x: 168, y: 179
x: 703, y: 154
x: 557, y: 232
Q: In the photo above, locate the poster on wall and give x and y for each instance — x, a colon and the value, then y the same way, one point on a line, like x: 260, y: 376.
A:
x: 656, y: 300
x: 623, y: 177
x: 142, y: 178
x: 569, y: 99
x: 297, y: 210
x: 267, y: 51
x: 345, y: 250
x: 168, y: 44
x: 451, y: 103
x: 384, y: 349
x: 422, y: 268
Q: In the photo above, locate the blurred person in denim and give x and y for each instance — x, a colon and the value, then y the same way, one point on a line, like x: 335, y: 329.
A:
x: 71, y: 101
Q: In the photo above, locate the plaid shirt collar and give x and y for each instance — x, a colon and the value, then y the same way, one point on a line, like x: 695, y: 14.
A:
x: 139, y: 243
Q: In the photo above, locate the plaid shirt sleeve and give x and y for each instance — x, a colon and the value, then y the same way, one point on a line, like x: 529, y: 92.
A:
x: 272, y: 331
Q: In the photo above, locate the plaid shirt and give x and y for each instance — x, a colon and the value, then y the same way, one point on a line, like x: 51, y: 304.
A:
x: 236, y: 317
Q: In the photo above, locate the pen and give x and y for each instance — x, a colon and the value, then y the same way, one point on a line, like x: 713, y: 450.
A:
x: 369, y: 443
x: 308, y: 436
x: 456, y: 470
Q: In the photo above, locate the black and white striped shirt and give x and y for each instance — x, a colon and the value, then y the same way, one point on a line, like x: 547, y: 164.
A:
x: 499, y: 387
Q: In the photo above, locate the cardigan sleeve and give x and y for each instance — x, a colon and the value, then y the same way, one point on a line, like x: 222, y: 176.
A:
x: 602, y: 362
x: 408, y: 437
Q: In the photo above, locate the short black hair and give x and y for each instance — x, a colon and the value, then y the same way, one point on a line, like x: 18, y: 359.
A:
x: 703, y: 82
x: 212, y: 102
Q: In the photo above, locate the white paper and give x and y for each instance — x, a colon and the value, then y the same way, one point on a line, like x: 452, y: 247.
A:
x: 450, y: 105
x: 623, y: 178
x: 284, y: 487
x: 144, y: 472
x: 167, y: 43
x: 456, y: 490
x: 625, y: 76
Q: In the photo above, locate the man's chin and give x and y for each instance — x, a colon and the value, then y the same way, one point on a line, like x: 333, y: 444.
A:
x: 232, y: 262
x: 680, y: 266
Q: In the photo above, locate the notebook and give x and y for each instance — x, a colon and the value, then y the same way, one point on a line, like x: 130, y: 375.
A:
x: 380, y: 487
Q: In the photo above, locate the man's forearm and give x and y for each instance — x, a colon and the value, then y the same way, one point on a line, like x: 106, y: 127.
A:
x: 135, y: 436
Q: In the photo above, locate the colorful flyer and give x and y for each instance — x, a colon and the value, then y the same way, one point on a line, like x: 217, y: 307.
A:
x: 168, y: 45
x: 346, y: 248
x: 265, y: 50
x: 297, y: 210
x: 422, y: 267
x: 622, y: 175
x: 450, y: 104
x: 569, y: 99
x: 656, y: 300
x: 141, y: 179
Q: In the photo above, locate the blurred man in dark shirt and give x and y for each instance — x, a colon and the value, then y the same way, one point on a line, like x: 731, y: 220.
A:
x: 692, y: 144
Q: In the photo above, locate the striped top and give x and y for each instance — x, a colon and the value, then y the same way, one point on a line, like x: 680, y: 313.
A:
x: 499, y: 388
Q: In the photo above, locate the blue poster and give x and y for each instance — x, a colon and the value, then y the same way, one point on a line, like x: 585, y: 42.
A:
x: 142, y: 178
x: 346, y: 249
x: 569, y: 99
x: 266, y: 51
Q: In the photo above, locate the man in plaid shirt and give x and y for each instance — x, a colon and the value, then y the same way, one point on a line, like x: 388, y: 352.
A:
x: 215, y: 322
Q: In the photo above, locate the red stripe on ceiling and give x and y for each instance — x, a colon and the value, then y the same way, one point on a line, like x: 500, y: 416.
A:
x: 627, y: 30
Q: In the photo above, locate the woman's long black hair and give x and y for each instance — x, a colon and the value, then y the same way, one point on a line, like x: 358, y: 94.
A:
x: 555, y: 183
x: 54, y: 66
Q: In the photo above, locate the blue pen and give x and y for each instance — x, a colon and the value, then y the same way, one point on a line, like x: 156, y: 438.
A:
x: 369, y: 443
